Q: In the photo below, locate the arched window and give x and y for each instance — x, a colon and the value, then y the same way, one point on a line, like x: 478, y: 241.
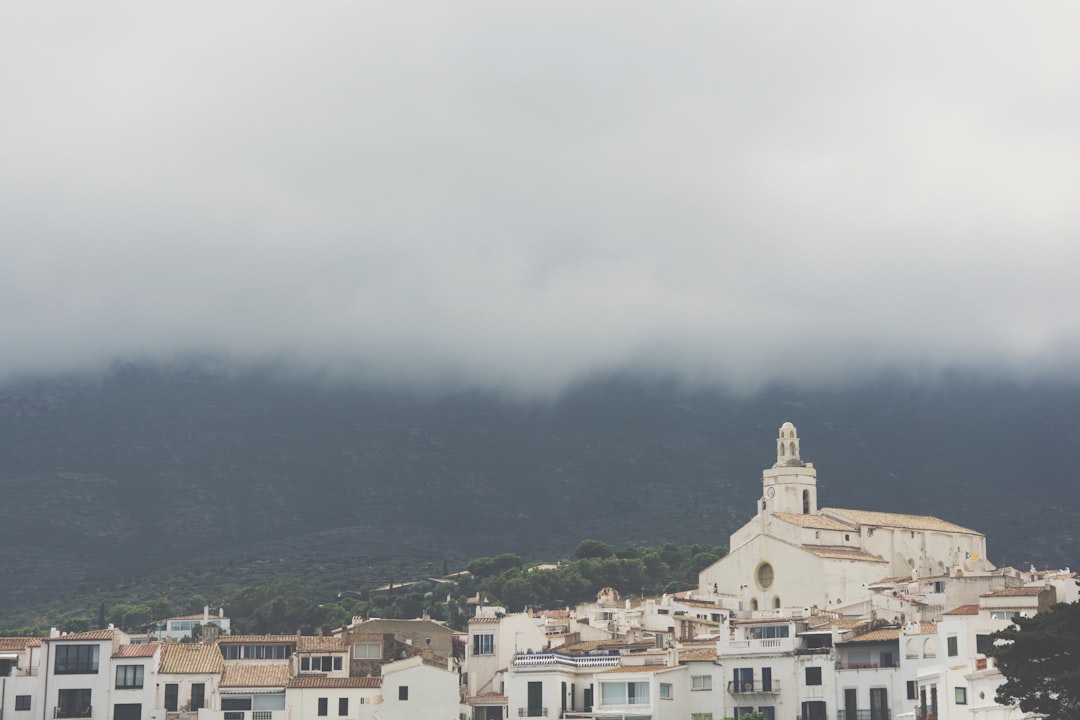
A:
x: 792, y: 446
x: 753, y: 603
x: 806, y: 502
x: 781, y: 449
x: 776, y: 602
x: 911, y: 649
x: 930, y: 647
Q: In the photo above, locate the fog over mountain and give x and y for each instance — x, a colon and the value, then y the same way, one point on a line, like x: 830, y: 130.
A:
x: 362, y: 276
x: 521, y: 195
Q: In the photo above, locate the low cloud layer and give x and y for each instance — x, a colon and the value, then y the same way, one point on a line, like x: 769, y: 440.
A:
x: 521, y: 194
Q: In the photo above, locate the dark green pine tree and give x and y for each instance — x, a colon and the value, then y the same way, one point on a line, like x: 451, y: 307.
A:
x: 1040, y: 659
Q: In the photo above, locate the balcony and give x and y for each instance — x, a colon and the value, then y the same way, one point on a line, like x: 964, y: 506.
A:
x: 70, y: 712
x: 747, y: 688
x: 533, y: 712
x: 881, y: 714
x: 764, y: 645
x: 866, y: 666
x: 556, y: 658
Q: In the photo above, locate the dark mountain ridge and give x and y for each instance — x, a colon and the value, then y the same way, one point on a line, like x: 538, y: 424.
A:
x: 146, y: 470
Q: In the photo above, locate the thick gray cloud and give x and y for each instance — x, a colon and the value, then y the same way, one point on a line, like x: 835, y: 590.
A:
x: 523, y: 193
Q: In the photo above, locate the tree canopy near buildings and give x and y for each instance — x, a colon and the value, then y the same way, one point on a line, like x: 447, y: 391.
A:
x: 1040, y: 659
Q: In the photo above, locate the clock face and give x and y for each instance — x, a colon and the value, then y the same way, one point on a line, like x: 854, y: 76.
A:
x: 772, y: 492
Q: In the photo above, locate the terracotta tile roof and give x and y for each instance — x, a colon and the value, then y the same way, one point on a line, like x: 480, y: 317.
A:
x: 698, y: 654
x: 255, y: 675
x: 266, y: 639
x: 486, y: 699
x: 484, y: 621
x: 700, y: 603
x: 195, y: 616
x: 137, y: 651
x: 899, y: 579
x: 91, y: 635
x: 898, y: 520
x: 7, y: 644
x: 926, y: 628
x: 843, y: 553
x: 634, y: 669
x: 814, y: 522
x: 320, y: 681
x: 838, y: 623
x: 587, y: 646
x: 320, y: 643
x: 965, y: 610
x: 882, y: 635
x: 191, y: 658
x: 1015, y: 592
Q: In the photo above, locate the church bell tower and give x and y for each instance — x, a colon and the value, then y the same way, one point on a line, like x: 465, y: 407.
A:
x: 790, y: 485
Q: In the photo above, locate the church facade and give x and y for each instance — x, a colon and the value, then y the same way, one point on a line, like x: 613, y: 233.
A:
x: 796, y: 554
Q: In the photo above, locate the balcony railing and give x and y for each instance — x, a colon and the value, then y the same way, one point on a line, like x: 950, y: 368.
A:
x: 533, y: 712
x: 551, y: 658
x: 68, y: 712
x: 743, y: 688
x: 865, y: 666
x: 880, y: 714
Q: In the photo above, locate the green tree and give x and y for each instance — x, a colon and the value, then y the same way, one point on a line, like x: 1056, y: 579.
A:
x: 1039, y: 659
x: 593, y: 549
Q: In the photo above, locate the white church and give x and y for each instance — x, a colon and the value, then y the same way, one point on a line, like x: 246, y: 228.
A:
x: 793, y: 553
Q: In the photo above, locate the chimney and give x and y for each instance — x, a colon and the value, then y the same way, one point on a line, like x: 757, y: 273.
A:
x: 54, y: 633
x: 221, y: 612
x: 426, y: 616
x: 205, y: 614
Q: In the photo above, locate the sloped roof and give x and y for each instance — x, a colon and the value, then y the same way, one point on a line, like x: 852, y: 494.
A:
x: 255, y: 675
x: 485, y: 620
x: 898, y: 520
x: 1015, y: 592
x: 486, y: 699
x: 8, y: 644
x: 320, y: 643
x: 964, y: 610
x: 321, y: 681
x: 136, y: 651
x: 257, y: 639
x: 882, y: 635
x: 90, y: 635
x: 698, y: 654
x: 190, y: 658
x: 814, y: 521
x: 843, y: 553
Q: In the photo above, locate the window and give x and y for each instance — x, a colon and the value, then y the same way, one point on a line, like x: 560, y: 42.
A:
x: 665, y: 691
x: 982, y: 644
x: 912, y: 690
x: 624, y: 693
x: 961, y: 696
x: 324, y: 707
x: 813, y: 710
x: 952, y: 646
x: 172, y: 697
x: 483, y: 644
x: 367, y: 651
x: 403, y: 692
x: 701, y: 682
x: 129, y: 676
x: 738, y: 712
x: 198, y: 695
x: 343, y: 707
x: 127, y: 711
x: 74, y: 703
x: 768, y: 712
x: 813, y: 675
x: 768, y: 632
x: 321, y: 664
x: 22, y: 702
x: 76, y: 659
x: 235, y: 703
x: 764, y: 575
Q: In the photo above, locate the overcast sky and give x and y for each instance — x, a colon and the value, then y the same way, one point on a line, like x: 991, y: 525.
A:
x: 523, y: 193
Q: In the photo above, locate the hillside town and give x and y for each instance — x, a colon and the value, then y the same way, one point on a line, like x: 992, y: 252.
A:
x: 816, y: 613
